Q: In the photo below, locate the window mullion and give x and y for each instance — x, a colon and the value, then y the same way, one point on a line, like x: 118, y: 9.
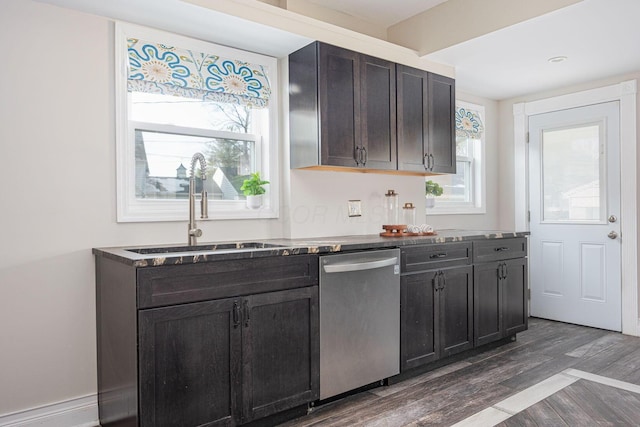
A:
x: 183, y: 130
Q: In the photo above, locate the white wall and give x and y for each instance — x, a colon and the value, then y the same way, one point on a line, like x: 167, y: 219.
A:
x: 319, y: 201
x: 58, y: 192
x: 58, y: 200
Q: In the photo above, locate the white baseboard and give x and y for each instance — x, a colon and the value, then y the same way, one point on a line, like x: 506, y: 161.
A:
x: 79, y: 412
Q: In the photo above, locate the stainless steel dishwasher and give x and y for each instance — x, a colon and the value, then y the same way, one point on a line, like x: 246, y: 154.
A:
x: 359, y: 319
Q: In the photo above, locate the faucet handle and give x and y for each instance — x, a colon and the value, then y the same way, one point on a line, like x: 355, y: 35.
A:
x: 196, y: 232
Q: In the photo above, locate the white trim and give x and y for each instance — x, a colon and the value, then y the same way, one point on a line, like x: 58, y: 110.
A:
x: 520, y: 176
x: 625, y: 93
x: 130, y: 209
x: 78, y: 412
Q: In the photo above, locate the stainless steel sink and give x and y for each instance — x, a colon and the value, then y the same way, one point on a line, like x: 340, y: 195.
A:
x: 227, y: 247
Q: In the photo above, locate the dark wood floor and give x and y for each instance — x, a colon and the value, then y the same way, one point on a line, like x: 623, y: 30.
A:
x: 455, y: 392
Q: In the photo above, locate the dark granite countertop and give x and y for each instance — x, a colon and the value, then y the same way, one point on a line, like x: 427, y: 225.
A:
x: 147, y: 256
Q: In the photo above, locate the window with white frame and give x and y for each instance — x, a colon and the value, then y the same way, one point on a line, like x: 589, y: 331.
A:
x: 178, y: 96
x: 464, y: 192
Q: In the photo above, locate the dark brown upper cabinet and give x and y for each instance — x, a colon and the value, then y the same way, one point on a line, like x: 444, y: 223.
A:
x: 426, y: 121
x: 342, y: 108
x: 350, y: 110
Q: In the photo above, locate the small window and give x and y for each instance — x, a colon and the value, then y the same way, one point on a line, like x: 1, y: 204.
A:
x: 462, y: 193
x: 167, y: 112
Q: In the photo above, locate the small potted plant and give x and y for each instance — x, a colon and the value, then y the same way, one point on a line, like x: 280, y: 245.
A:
x: 432, y: 190
x: 253, y: 189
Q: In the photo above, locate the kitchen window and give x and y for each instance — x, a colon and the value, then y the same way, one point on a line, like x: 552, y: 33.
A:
x: 464, y: 192
x: 177, y: 96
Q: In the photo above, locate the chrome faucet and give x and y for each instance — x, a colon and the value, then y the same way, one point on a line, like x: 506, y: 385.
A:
x: 194, y: 231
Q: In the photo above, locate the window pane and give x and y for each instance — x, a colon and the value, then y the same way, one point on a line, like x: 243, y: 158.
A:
x: 463, y: 147
x: 456, y: 188
x: 163, y: 161
x: 572, y: 178
x: 187, y: 112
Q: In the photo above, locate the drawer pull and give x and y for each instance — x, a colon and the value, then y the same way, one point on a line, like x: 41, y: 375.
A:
x: 440, y: 255
x: 502, y: 249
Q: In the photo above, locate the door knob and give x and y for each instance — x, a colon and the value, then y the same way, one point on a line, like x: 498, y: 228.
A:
x: 613, y: 218
x: 612, y: 235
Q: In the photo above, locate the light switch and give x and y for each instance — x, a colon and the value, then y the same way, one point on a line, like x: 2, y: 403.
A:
x: 355, y: 208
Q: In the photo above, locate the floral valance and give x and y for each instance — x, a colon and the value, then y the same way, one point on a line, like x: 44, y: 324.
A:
x: 468, y: 123
x: 158, y: 68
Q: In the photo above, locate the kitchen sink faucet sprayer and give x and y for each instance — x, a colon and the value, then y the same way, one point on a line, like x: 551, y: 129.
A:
x: 194, y: 231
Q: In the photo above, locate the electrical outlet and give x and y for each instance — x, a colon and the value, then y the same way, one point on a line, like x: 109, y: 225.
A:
x: 354, y: 208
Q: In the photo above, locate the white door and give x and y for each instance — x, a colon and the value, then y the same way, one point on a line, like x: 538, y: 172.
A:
x: 574, y: 198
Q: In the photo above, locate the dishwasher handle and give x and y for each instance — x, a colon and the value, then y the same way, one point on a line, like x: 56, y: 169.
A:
x: 360, y: 266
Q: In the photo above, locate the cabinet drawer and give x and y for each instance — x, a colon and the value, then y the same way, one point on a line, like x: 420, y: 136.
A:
x: 428, y: 257
x: 177, y: 284
x: 498, y: 249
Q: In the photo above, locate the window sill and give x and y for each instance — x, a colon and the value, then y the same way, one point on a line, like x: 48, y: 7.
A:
x: 456, y: 210
x: 161, y: 214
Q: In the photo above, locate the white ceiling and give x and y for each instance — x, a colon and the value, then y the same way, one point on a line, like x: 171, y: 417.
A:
x: 599, y: 37
x: 194, y: 21
x: 380, y: 12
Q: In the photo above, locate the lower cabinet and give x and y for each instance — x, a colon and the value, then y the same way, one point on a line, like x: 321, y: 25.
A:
x: 190, y: 364
x: 280, y: 351
x: 460, y: 295
x: 218, y: 343
x: 436, y: 315
x: 500, y: 298
x: 228, y: 361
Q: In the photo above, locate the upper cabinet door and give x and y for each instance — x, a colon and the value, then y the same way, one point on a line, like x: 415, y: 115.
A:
x: 442, y: 144
x: 338, y: 92
x: 413, y: 131
x: 377, y: 113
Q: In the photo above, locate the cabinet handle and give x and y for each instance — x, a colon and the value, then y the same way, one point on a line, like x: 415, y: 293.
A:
x: 425, y: 161
x: 236, y: 314
x: 440, y: 255
x: 443, y: 281
x: 436, y: 282
x: 501, y: 271
x: 247, y: 314
x: 365, y: 156
x: 358, y: 155
x: 502, y: 249
x: 431, y: 162
x: 506, y: 271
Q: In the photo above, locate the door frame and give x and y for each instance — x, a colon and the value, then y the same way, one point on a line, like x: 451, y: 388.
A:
x: 626, y: 93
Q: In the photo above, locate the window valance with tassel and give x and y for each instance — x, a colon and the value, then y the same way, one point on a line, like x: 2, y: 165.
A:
x: 468, y: 123
x: 158, y: 68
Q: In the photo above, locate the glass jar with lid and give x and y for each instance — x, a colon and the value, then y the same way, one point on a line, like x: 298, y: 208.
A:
x: 391, y: 208
x: 409, y: 214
